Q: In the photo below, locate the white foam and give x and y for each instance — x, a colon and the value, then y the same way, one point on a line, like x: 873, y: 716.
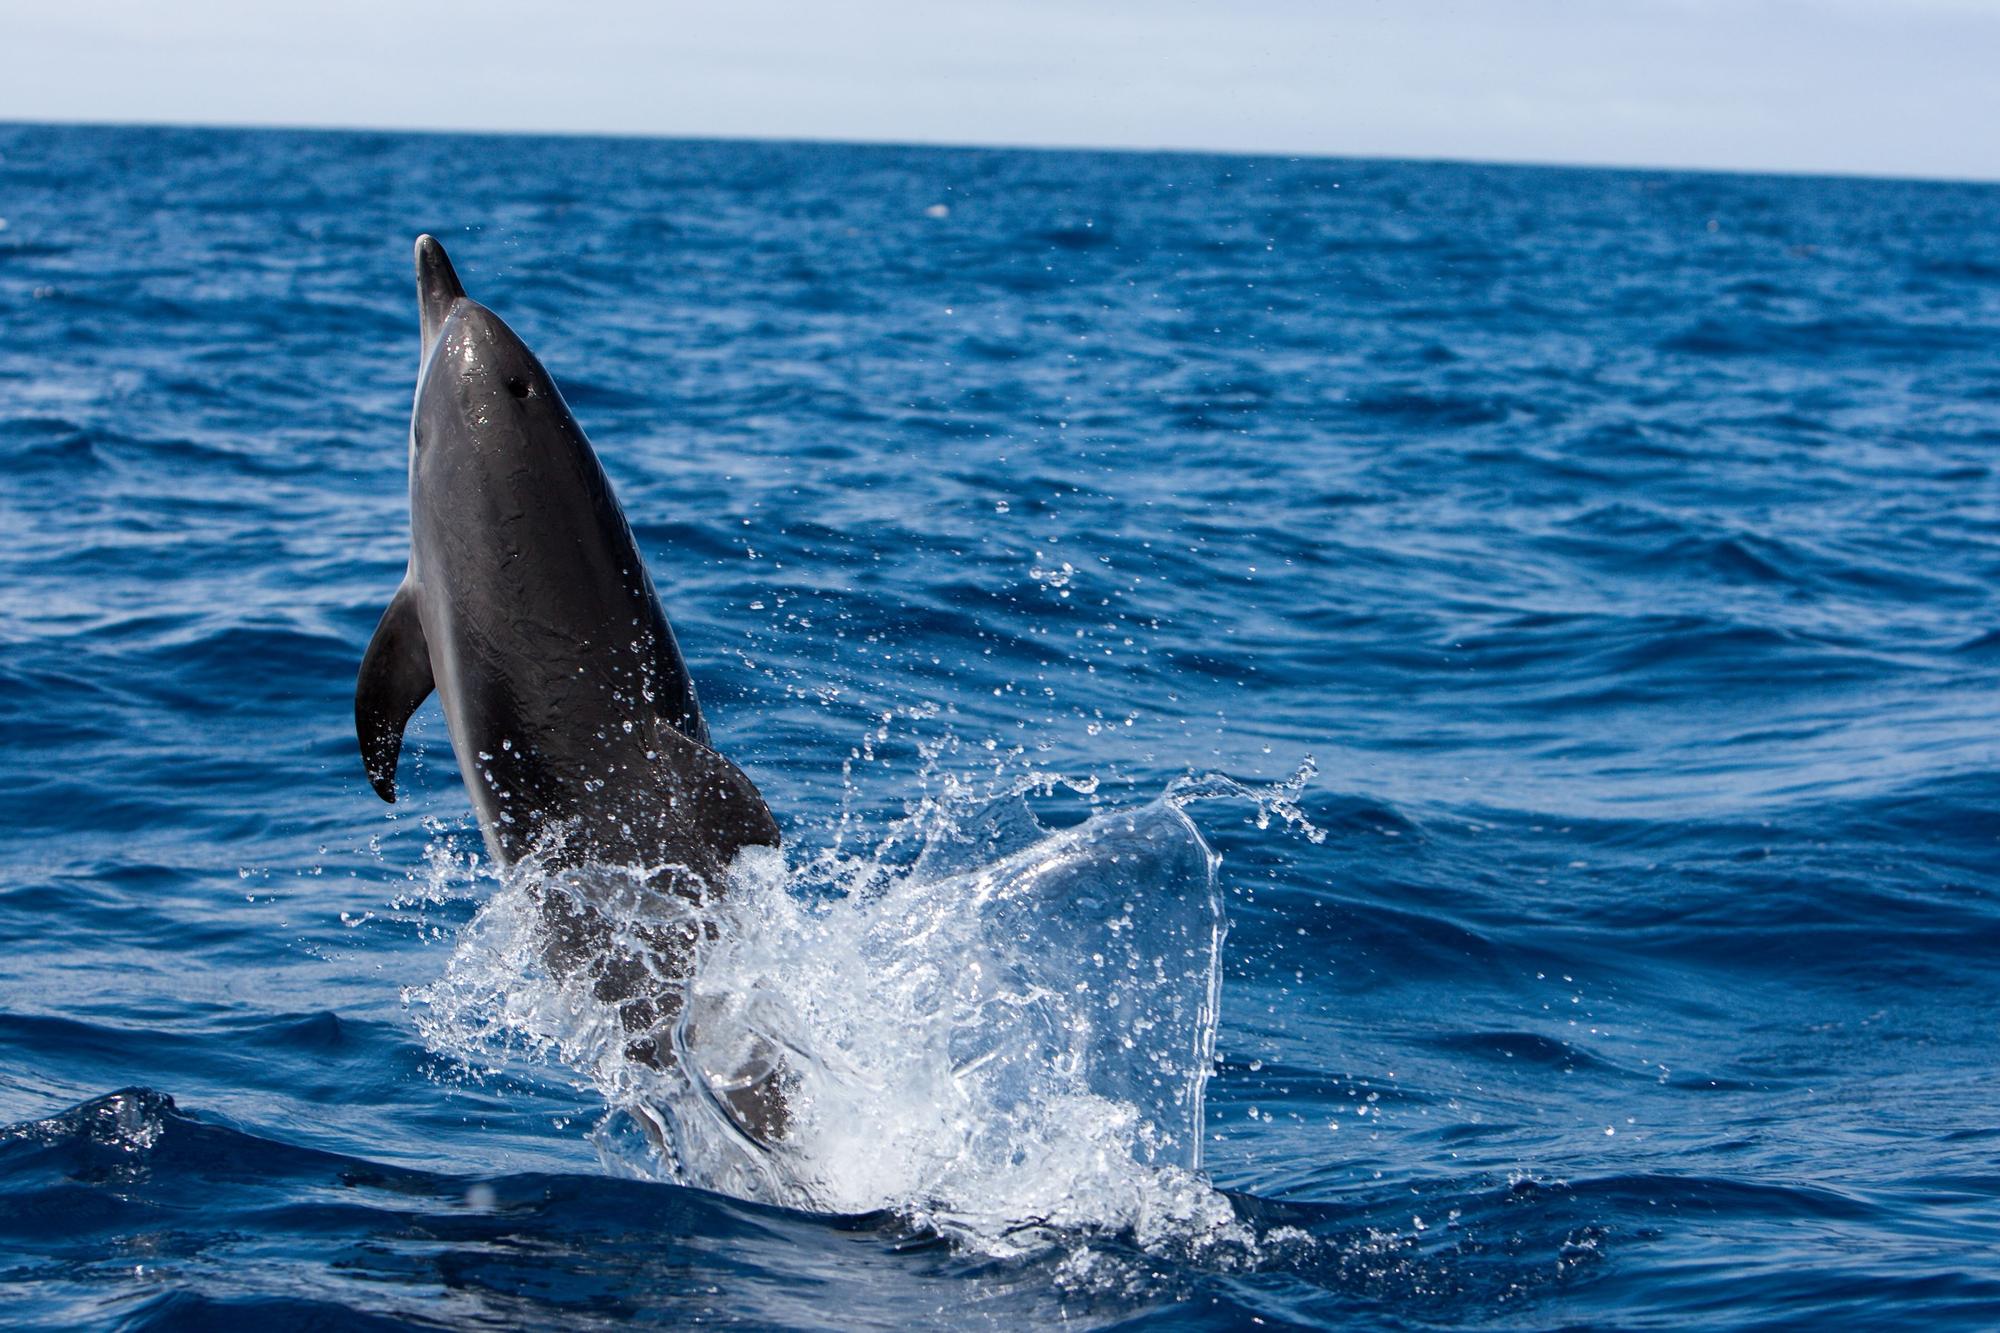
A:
x: 1008, y: 1035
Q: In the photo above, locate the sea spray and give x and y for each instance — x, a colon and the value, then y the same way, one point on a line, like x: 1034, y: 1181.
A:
x: 997, y: 1030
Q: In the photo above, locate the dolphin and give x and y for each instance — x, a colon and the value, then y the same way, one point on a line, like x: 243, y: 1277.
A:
x: 527, y: 609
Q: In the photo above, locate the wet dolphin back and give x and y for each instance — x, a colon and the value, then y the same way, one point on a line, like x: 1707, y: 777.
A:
x: 571, y: 710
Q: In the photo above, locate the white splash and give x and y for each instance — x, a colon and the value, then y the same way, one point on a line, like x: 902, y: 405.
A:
x: 1005, y: 1038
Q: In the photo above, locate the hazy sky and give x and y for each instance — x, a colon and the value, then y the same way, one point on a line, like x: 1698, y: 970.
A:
x: 1906, y: 87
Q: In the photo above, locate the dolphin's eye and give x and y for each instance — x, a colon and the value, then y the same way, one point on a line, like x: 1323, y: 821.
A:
x: 517, y: 386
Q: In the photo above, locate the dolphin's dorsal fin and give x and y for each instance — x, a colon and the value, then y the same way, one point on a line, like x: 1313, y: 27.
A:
x: 711, y: 803
x: 438, y: 289
x: 395, y: 679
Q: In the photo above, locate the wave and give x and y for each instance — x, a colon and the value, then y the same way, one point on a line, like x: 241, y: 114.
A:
x: 155, y: 1218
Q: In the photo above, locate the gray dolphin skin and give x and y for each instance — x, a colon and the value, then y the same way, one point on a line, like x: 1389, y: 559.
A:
x: 528, y: 610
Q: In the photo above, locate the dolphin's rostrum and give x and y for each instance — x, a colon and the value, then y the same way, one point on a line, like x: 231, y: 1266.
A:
x: 527, y: 608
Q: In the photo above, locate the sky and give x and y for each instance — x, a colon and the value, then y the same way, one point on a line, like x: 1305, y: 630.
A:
x: 1878, y: 87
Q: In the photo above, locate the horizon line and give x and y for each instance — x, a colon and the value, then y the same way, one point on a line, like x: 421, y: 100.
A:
x: 954, y: 145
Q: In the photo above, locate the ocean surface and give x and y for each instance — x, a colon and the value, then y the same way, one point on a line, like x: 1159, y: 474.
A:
x: 1563, y: 600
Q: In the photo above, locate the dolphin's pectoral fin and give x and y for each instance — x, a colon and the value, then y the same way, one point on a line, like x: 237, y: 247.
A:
x: 395, y: 678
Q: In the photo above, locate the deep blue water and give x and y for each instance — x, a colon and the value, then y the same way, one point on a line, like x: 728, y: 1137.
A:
x: 1622, y: 546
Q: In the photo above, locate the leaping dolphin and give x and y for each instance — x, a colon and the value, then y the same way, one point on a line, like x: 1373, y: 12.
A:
x: 527, y: 608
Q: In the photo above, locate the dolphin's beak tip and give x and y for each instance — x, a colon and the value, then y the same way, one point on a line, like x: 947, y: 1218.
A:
x: 438, y: 286
x: 433, y: 263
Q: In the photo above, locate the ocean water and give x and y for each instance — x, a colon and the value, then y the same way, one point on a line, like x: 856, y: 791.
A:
x: 1547, y: 617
